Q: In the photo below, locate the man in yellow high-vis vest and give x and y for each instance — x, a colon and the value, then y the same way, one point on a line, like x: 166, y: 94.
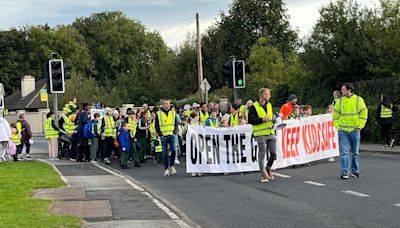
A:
x: 349, y: 116
x: 166, y: 125
x: 262, y: 119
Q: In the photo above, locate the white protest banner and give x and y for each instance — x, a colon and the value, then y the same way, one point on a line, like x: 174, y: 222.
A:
x: 306, y: 140
x: 220, y: 150
x: 224, y: 150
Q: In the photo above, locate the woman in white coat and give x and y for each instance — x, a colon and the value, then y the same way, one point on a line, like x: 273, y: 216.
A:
x: 5, y: 134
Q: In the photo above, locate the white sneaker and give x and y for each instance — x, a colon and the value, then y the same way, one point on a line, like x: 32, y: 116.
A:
x: 331, y: 160
x: 177, y: 162
x: 93, y: 162
x: 20, y: 157
x: 56, y: 159
x: 107, y: 161
x: 28, y: 157
x: 167, y: 173
x: 51, y: 159
x: 194, y: 174
x: 72, y: 159
x: 199, y: 174
x: 173, y: 170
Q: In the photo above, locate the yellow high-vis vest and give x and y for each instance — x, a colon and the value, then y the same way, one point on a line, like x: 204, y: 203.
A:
x: 68, y: 126
x: 50, y: 132
x: 166, y: 123
x: 234, y: 120
x: 350, y: 113
x: 203, y: 117
x: 109, y: 127
x: 386, y: 112
x: 16, y: 139
x: 132, y: 127
x: 264, y: 129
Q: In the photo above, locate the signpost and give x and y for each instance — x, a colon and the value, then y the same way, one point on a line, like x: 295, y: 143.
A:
x: 2, y: 93
x: 44, y: 97
x: 205, y: 87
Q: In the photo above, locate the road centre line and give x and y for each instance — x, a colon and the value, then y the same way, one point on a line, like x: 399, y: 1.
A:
x: 397, y: 204
x: 314, y: 183
x: 358, y: 194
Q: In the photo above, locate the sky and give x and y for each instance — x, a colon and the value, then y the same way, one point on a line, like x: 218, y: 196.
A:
x: 174, y: 19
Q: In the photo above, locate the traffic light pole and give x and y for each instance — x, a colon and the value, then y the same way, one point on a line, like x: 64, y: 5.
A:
x: 234, y: 95
x: 55, y: 108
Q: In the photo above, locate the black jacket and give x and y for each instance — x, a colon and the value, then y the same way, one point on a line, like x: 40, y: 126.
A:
x: 253, y: 116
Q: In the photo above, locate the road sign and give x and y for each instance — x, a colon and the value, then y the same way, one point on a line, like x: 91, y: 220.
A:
x: 205, y: 86
x: 43, y: 95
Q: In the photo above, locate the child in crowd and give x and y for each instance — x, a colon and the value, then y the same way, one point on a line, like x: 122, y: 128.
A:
x: 124, y: 145
x: 16, y: 139
x: 329, y: 109
x: 94, y: 142
x: 212, y: 121
x: 307, y: 110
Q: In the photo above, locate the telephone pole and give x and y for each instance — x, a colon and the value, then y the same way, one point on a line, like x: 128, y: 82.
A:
x: 199, y: 58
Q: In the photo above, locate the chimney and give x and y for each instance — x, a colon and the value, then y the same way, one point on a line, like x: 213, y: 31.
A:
x: 27, y: 85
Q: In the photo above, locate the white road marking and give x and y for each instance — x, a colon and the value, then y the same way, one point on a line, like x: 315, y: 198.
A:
x: 163, y: 207
x: 397, y: 204
x: 358, y: 194
x: 314, y: 183
x: 39, y: 142
x: 281, y: 175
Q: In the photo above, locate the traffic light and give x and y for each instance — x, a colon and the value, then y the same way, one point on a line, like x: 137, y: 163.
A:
x: 56, y: 76
x: 228, y: 73
x: 239, y: 79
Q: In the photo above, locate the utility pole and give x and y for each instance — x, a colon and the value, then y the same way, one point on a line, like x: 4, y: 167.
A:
x: 199, y: 58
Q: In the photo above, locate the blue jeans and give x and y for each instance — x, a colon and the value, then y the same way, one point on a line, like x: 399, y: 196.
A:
x: 168, y: 159
x: 349, y: 141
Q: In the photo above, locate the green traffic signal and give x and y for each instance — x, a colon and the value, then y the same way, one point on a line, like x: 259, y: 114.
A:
x: 240, y: 82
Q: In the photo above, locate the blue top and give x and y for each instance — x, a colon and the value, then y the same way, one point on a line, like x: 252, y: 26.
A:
x: 123, y: 139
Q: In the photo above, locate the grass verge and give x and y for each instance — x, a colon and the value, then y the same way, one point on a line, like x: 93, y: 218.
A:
x: 17, y: 207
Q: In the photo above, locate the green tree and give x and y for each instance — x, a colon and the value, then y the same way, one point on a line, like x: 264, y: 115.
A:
x: 334, y: 52
x: 238, y: 30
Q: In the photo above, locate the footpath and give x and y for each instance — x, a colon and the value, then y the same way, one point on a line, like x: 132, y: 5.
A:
x: 104, y: 198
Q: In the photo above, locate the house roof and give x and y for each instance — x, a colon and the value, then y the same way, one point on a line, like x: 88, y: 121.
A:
x: 31, y: 102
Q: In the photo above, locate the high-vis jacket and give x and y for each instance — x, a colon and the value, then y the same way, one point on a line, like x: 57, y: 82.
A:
x: 70, y: 108
x: 264, y: 129
x: 350, y: 113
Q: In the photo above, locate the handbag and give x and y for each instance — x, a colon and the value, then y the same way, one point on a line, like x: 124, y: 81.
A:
x: 11, y: 148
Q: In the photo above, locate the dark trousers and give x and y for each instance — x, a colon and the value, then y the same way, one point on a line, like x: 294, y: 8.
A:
x: 168, y: 159
x: 28, y: 147
x: 84, y: 150
x: 74, y: 146
x: 18, y: 152
x: 385, y: 132
x: 108, y: 147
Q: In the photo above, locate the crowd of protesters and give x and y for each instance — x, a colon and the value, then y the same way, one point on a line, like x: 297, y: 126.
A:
x: 157, y: 134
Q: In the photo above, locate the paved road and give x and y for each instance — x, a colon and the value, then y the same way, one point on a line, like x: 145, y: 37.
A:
x: 241, y: 201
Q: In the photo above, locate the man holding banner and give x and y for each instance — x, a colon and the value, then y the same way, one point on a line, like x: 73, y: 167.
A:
x: 349, y: 116
x: 262, y: 119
